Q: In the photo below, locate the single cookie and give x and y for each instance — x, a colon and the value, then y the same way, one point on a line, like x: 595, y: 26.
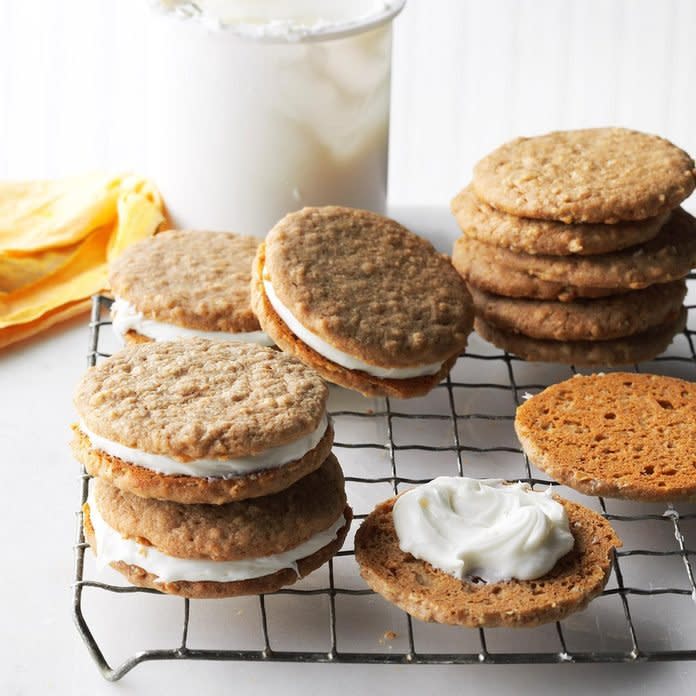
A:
x: 247, y: 547
x: 198, y: 421
x: 185, y: 283
x: 621, y: 435
x: 478, y: 265
x: 617, y: 351
x: 591, y: 175
x: 583, y: 320
x: 368, y: 304
x: 669, y: 256
x: 481, y: 221
x: 430, y: 594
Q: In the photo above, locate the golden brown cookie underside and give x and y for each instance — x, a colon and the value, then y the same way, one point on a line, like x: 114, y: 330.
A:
x: 620, y: 435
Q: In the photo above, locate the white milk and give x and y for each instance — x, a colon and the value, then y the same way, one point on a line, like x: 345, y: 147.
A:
x: 260, y: 107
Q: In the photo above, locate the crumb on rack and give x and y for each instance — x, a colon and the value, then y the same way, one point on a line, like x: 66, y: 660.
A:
x: 388, y: 636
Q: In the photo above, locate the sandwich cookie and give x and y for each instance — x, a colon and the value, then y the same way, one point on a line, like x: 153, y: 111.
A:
x: 366, y: 303
x: 591, y: 320
x: 208, y: 551
x: 595, y: 175
x: 616, y: 351
x: 620, y: 435
x: 485, y: 553
x: 183, y: 284
x: 199, y: 421
x: 483, y: 222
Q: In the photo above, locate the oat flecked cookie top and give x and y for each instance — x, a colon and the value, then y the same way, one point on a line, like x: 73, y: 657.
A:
x: 199, y: 280
x: 368, y: 286
x: 621, y: 435
x: 196, y: 399
x: 591, y: 175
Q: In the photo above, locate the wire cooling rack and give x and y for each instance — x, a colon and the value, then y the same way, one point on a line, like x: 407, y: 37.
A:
x: 647, y: 611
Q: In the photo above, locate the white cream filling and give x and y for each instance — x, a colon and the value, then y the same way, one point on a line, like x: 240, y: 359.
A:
x: 338, y: 356
x: 466, y: 527
x: 125, y: 317
x: 112, y: 547
x: 272, y: 458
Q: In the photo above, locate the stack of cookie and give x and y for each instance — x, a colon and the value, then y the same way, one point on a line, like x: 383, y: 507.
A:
x: 574, y: 247
x: 213, y: 465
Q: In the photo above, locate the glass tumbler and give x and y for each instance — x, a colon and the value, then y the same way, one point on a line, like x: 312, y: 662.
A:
x: 249, y: 121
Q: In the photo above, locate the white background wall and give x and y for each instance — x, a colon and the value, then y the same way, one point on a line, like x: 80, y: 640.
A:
x: 468, y: 74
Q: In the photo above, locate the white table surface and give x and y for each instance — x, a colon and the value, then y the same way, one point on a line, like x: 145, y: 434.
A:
x: 41, y: 652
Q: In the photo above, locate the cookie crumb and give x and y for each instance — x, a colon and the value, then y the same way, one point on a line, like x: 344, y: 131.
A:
x: 387, y: 637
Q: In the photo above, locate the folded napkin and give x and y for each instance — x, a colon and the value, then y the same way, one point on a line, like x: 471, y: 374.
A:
x: 57, y: 239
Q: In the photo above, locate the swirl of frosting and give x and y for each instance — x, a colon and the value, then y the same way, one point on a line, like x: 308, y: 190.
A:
x: 483, y: 528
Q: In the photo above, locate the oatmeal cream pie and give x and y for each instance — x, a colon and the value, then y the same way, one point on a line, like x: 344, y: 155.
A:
x: 485, y: 553
x: 620, y: 435
x: 185, y: 283
x: 366, y: 303
x: 199, y: 421
x: 208, y: 551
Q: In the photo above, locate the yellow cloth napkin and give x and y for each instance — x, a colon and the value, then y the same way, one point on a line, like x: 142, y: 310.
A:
x: 56, y: 240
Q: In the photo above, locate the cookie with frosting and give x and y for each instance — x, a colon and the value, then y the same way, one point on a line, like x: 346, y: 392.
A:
x: 200, y: 421
x: 366, y: 303
x: 485, y: 553
x: 208, y: 551
x: 183, y: 284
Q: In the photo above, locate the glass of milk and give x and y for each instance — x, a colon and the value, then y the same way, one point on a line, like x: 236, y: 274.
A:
x: 259, y: 107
